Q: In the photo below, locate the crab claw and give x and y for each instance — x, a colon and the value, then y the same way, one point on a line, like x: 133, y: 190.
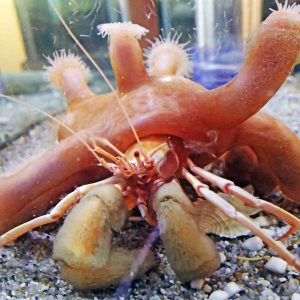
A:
x: 83, y: 244
x: 116, y: 270
x: 190, y: 252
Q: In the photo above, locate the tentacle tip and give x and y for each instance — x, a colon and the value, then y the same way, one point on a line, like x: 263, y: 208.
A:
x: 60, y: 62
x: 166, y: 56
x: 293, y: 9
x: 128, y: 28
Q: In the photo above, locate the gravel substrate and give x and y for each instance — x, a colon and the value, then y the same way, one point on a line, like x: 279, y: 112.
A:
x: 28, y: 271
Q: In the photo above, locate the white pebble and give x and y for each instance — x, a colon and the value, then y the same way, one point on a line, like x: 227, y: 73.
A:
x: 218, y: 295
x: 269, y: 294
x: 232, y: 288
x: 197, y: 284
x: 245, y: 277
x: 276, y: 265
x: 207, y: 289
x: 282, y: 279
x: 222, y: 257
x: 269, y: 232
x: 295, y: 296
x: 253, y: 244
x: 263, y: 221
x: 264, y: 282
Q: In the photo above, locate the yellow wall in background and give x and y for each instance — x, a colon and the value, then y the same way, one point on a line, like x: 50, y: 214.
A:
x: 12, y: 50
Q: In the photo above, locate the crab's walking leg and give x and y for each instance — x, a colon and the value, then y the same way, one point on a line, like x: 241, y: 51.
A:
x: 203, y: 191
x: 190, y: 252
x: 84, y: 247
x: 56, y: 213
x: 229, y: 187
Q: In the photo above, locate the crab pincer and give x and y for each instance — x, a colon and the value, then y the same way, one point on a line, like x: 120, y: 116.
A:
x: 84, y: 247
x: 191, y: 253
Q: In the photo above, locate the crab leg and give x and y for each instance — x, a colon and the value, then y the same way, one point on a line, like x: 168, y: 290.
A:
x: 229, y: 187
x: 56, y: 213
x: 203, y: 191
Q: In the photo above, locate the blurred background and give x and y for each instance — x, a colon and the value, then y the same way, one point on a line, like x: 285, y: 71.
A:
x: 218, y: 31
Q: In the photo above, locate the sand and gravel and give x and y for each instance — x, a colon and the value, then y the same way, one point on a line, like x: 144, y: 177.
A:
x: 28, y: 271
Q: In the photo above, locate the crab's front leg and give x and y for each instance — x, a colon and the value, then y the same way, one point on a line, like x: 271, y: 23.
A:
x: 191, y: 253
x: 84, y: 247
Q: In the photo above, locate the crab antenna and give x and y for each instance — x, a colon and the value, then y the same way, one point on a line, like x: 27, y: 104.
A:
x: 100, y: 159
x: 107, y: 143
x: 123, y: 157
x: 102, y: 151
x: 97, y: 68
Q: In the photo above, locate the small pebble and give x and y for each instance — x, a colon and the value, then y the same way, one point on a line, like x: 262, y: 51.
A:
x: 269, y: 295
x: 282, y: 279
x: 207, y: 289
x: 228, y: 271
x: 232, y: 288
x: 292, y: 272
x: 218, y: 295
x: 276, y: 265
x: 269, y: 232
x: 222, y: 257
x: 264, y: 282
x: 253, y: 244
x: 295, y: 296
x: 245, y: 277
x: 197, y: 284
x: 263, y: 221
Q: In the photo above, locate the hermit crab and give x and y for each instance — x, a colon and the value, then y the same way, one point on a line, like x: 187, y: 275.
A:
x: 133, y: 147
